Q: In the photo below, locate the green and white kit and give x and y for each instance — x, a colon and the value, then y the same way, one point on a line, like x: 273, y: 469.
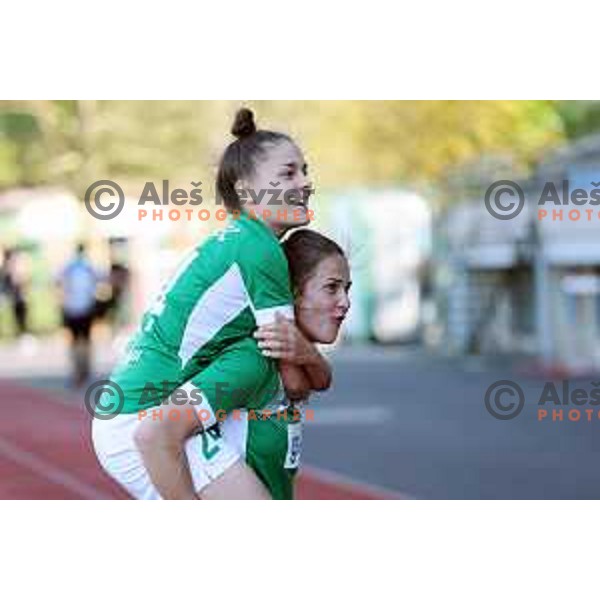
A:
x: 198, y: 335
x: 233, y: 282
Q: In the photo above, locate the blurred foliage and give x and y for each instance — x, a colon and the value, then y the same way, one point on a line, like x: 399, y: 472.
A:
x: 580, y: 117
x: 448, y: 144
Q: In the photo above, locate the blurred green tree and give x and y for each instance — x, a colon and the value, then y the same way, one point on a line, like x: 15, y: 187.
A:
x: 579, y: 117
x: 20, y: 138
x: 348, y: 143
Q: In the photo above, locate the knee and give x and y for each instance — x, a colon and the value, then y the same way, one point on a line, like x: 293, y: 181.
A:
x: 145, y: 436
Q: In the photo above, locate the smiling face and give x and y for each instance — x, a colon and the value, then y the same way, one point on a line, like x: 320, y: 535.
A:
x: 323, y: 302
x: 280, y: 168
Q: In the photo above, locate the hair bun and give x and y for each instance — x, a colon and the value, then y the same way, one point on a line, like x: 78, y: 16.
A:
x: 243, y: 125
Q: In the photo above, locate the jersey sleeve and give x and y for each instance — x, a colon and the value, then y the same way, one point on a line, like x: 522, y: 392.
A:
x: 235, y: 380
x: 267, y: 282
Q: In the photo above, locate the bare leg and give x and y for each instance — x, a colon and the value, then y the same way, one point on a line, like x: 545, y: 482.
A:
x: 161, y: 444
x: 239, y: 482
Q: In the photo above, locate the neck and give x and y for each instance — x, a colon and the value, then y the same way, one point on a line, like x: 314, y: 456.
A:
x: 278, y: 230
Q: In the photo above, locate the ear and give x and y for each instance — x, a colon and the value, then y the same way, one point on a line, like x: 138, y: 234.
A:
x: 241, y: 185
x: 241, y: 189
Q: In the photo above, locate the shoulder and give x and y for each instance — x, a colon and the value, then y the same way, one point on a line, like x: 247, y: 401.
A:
x: 261, y: 249
x: 234, y: 239
x: 245, y: 242
x: 259, y: 235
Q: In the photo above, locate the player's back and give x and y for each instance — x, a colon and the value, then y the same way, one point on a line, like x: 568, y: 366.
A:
x: 219, y: 294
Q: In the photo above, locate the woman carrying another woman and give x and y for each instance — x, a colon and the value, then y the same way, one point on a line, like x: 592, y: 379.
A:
x: 236, y: 281
x: 266, y: 432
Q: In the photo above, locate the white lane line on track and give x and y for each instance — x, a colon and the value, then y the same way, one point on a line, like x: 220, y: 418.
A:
x: 350, y: 415
x: 49, y: 471
x: 325, y: 415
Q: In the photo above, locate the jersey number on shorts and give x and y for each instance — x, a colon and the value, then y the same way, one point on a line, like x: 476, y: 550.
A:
x: 211, y: 442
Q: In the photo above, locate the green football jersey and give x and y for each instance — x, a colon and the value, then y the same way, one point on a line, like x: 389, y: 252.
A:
x: 236, y: 280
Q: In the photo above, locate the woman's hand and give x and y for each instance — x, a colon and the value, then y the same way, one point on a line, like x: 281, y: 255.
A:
x: 283, y: 340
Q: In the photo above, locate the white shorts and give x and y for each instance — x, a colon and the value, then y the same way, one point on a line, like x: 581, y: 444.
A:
x: 115, y: 448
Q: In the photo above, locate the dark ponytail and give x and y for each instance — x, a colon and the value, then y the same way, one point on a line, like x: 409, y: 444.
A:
x: 243, y: 125
x: 240, y: 157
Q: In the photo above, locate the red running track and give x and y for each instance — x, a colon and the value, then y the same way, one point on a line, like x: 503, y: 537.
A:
x: 46, y: 453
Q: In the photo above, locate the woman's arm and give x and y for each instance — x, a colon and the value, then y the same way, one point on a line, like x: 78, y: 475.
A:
x: 295, y: 381
x: 319, y: 370
x: 301, y: 364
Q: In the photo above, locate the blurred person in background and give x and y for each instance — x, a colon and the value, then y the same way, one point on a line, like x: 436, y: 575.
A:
x: 118, y: 279
x: 78, y: 282
x: 113, y: 295
x: 15, y: 273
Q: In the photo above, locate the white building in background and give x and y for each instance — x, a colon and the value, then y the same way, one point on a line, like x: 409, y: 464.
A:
x: 527, y: 285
